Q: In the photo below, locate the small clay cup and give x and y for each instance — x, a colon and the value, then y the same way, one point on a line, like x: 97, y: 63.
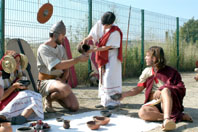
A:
x: 59, y: 119
x: 105, y: 113
x: 116, y: 96
x: 83, y: 48
x: 93, y: 125
x: 102, y: 120
x: 66, y: 124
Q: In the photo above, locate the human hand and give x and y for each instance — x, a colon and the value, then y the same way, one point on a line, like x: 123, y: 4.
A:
x: 157, y: 94
x: 20, y: 86
x: 83, y: 57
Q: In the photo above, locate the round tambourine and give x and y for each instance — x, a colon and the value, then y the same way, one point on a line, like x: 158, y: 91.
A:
x: 24, y: 61
x: 9, y: 64
x: 44, y: 13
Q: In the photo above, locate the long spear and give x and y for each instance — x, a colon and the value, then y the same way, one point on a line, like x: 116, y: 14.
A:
x: 127, y: 40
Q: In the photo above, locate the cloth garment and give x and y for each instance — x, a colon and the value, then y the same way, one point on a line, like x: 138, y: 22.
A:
x: 110, y: 79
x: 166, y: 77
x: 26, y: 99
x: 48, y: 57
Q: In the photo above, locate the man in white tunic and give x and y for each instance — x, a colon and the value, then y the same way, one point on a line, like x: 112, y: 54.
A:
x: 53, y: 68
x: 108, y: 58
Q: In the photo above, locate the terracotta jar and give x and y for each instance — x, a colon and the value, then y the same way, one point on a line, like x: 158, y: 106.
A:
x: 5, y: 127
x: 66, y: 124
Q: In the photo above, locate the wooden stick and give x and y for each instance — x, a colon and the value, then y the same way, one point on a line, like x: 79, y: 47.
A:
x: 127, y: 40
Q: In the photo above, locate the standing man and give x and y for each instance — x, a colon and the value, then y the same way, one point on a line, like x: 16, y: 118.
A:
x: 53, y: 68
x: 164, y: 93
x: 108, y: 58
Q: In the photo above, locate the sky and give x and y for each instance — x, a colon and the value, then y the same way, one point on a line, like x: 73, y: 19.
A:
x: 177, y: 8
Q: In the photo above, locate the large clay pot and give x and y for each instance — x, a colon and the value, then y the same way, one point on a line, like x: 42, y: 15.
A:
x: 5, y: 127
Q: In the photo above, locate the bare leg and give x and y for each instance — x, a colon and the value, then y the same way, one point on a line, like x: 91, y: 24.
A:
x: 166, y: 102
x: 58, y: 90
x: 150, y: 113
x: 27, y: 112
x: 69, y: 102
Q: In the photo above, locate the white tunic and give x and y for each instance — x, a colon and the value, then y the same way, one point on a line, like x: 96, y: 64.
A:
x: 112, y: 78
x: 26, y: 99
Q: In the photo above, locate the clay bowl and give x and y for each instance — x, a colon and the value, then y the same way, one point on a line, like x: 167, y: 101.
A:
x: 105, y: 113
x: 93, y: 125
x: 25, y: 129
x: 116, y: 96
x: 102, y: 120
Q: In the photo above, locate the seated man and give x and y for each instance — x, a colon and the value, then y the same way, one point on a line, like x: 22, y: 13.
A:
x: 53, y: 68
x: 164, y: 87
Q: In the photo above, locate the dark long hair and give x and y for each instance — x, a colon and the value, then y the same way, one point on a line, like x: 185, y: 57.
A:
x: 158, y: 52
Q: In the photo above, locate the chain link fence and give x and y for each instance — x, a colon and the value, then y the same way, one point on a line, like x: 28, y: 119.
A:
x: 144, y: 30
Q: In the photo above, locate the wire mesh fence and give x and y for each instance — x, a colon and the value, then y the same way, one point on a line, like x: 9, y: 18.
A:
x: 145, y: 30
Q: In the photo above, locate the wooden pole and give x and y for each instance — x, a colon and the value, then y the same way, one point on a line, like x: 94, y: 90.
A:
x: 127, y: 41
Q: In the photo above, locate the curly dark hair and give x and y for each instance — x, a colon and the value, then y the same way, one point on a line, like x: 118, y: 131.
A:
x: 158, y: 52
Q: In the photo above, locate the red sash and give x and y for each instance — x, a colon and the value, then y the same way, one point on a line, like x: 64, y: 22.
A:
x: 7, y: 100
x: 102, y: 56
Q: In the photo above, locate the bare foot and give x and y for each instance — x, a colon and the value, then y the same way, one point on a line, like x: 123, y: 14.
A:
x: 187, y: 117
x: 48, y: 105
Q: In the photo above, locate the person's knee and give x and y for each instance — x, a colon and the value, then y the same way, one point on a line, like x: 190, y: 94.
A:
x: 142, y: 112
x: 74, y: 108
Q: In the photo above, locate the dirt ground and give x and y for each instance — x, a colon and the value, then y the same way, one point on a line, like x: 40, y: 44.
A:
x: 87, y: 97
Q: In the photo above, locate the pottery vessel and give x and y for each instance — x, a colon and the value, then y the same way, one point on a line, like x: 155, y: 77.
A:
x: 93, y: 125
x: 25, y: 129
x: 102, y: 120
x: 83, y: 48
x: 105, y: 113
x: 66, y: 124
x: 5, y: 127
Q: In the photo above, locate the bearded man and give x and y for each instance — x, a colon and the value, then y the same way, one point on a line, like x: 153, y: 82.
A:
x: 53, y: 68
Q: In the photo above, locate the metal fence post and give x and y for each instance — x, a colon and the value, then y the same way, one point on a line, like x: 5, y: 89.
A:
x: 177, y: 23
x: 2, y: 20
x: 142, y: 39
x: 89, y: 28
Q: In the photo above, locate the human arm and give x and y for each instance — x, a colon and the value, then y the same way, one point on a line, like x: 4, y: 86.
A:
x: 13, y: 87
x: 132, y: 92
x: 65, y: 64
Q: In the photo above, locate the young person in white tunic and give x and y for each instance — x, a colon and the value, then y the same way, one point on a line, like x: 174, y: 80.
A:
x: 15, y: 105
x: 109, y: 48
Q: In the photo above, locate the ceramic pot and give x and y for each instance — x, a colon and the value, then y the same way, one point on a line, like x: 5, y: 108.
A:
x: 105, y: 113
x: 102, y: 120
x: 66, y: 124
x: 83, y: 48
x: 93, y: 125
x: 25, y: 129
x: 5, y: 127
